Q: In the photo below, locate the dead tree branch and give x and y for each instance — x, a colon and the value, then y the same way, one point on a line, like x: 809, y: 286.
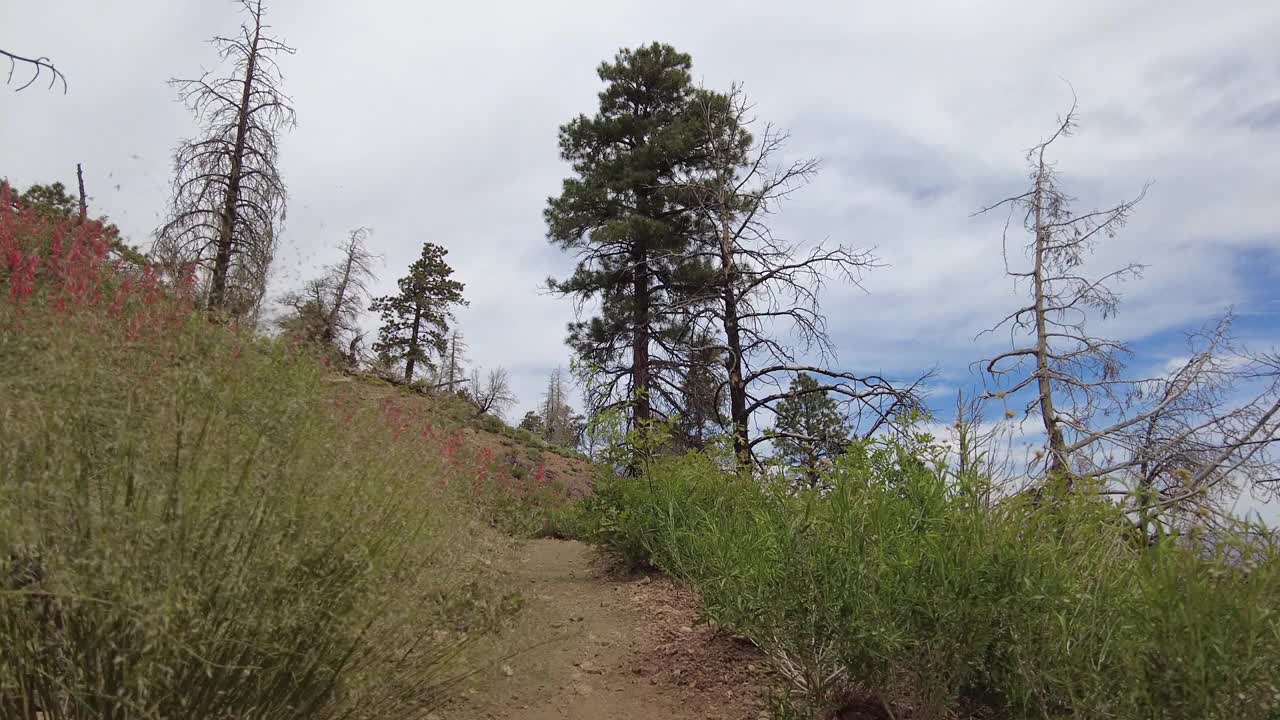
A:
x: 38, y: 66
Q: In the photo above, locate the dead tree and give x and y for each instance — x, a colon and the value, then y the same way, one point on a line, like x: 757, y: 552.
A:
x: 37, y: 67
x: 1174, y: 442
x: 451, y: 371
x: 762, y: 298
x: 84, y: 200
x: 491, y: 394
x: 327, y: 309
x: 228, y: 198
x: 1075, y: 375
x: 350, y: 279
x: 556, y: 414
x: 1186, y: 442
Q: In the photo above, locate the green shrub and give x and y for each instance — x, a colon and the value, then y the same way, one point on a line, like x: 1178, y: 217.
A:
x: 489, y: 423
x: 195, y: 524
x: 901, y: 581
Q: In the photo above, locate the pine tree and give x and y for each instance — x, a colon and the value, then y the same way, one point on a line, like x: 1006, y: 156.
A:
x: 532, y: 422
x: 622, y: 214
x: 701, y: 389
x: 809, y: 429
x: 417, y: 319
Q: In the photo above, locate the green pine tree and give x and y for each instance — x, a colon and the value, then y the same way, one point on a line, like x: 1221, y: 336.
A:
x: 417, y: 319
x: 809, y: 429
x: 624, y: 215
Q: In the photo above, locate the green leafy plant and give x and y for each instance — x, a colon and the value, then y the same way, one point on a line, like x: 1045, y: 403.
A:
x: 900, y: 583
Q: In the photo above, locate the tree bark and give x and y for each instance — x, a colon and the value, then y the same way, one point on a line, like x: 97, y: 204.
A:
x: 738, y: 413
x: 226, y: 232
x: 1053, y: 431
x: 640, y: 338
x: 339, y: 296
x: 84, y: 204
x: 413, y: 344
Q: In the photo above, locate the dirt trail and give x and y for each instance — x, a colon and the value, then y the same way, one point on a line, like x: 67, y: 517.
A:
x: 610, y: 648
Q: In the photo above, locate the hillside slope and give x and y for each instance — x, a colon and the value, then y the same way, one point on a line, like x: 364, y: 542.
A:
x: 517, y: 456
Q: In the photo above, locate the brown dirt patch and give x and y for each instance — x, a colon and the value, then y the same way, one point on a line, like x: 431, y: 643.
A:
x: 595, y: 646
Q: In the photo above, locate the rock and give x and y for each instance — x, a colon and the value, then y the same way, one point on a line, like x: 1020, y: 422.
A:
x: 582, y: 689
x: 686, y: 629
x: 576, y: 618
x: 645, y: 580
x: 589, y: 667
x: 506, y: 670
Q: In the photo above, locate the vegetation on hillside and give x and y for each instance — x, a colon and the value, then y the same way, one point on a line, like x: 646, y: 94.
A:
x: 198, y: 522
x: 897, y: 580
x: 205, y: 515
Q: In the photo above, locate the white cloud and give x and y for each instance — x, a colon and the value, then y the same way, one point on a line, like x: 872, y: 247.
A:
x: 437, y: 123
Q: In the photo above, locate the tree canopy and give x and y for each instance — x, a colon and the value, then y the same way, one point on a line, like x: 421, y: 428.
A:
x: 622, y: 213
x: 809, y: 429
x: 416, y: 320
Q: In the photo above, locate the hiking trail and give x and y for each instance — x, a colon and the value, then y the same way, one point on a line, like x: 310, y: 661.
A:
x: 599, y: 646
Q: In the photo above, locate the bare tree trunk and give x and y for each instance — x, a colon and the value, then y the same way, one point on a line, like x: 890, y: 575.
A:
x: 1053, y: 431
x: 452, y: 371
x: 84, y: 204
x: 413, y: 344
x: 733, y: 341
x: 228, y: 198
x: 339, y: 296
x: 453, y: 374
x: 226, y: 232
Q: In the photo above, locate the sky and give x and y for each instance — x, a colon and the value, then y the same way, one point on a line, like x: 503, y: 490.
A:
x: 430, y: 121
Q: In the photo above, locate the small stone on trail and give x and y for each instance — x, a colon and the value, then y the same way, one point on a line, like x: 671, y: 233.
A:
x: 645, y: 580
x: 686, y: 629
x: 506, y: 670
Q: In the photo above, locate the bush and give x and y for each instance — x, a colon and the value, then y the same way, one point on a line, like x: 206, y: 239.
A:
x: 194, y: 525
x: 901, y: 582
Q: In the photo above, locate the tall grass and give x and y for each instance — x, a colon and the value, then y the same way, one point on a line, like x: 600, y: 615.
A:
x: 901, y: 583
x: 195, y: 524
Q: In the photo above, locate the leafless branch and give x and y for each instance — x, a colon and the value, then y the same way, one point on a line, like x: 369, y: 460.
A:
x: 38, y: 66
